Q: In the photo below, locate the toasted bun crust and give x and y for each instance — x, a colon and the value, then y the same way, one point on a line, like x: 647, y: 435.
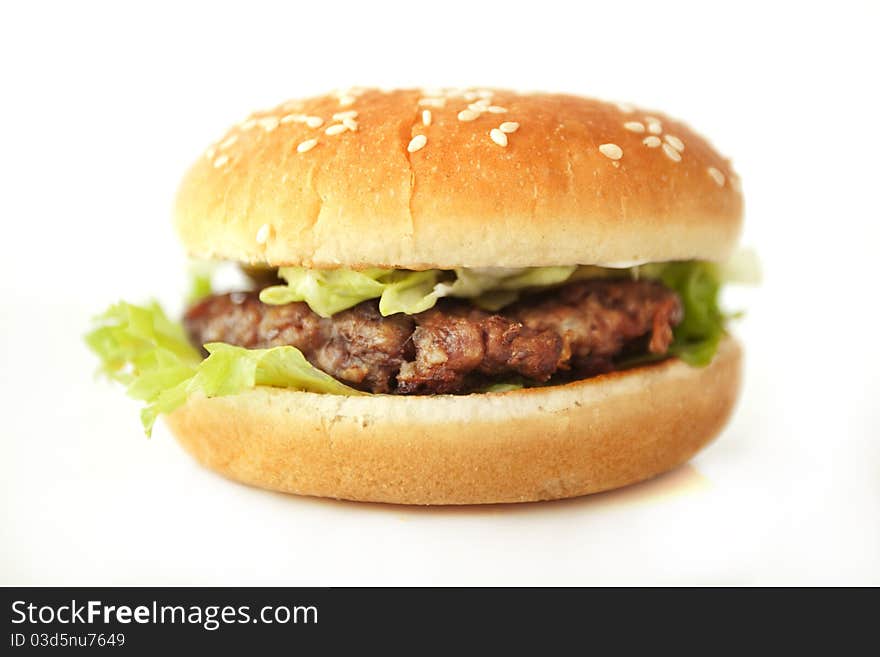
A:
x: 576, y: 184
x: 520, y: 446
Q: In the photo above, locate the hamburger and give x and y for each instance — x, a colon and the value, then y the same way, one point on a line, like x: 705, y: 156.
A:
x: 455, y: 296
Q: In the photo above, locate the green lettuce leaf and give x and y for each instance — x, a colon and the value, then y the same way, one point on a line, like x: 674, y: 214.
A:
x: 698, y: 285
x: 229, y: 369
x: 326, y: 291
x: 144, y: 350
x: 200, y: 287
x: 402, y: 291
x: 492, y: 289
x: 409, y: 292
x: 201, y: 274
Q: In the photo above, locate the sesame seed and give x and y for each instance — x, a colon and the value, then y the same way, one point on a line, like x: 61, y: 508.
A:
x: 652, y: 141
x: 417, y: 143
x: 350, y: 114
x: 306, y: 146
x: 654, y: 125
x: 426, y: 117
x: 314, y: 121
x: 634, y: 126
x: 495, y: 109
x: 263, y: 233
x: 671, y: 153
x: 626, y: 108
x: 485, y: 93
x: 350, y: 123
x: 335, y: 129
x: 293, y: 118
x: 268, y: 123
x: 470, y: 95
x: 247, y: 125
x: 432, y: 102
x: 220, y: 161
x: 509, y: 127
x: 467, y: 115
x: 675, y: 142
x: 346, y: 101
x: 717, y: 176
x: 209, y: 154
x: 611, y: 151
x: 483, y: 103
x: 498, y: 137
x: 474, y: 107
x: 229, y: 141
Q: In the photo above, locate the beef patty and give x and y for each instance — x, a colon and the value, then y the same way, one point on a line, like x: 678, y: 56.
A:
x: 577, y: 329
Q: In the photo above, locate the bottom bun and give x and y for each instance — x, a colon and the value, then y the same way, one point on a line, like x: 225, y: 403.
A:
x: 519, y: 446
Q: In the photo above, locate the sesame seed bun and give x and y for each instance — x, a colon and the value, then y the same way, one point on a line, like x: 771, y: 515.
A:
x: 536, y: 444
x: 437, y: 179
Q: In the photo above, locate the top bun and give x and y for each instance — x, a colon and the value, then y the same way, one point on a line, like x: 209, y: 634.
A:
x: 421, y: 179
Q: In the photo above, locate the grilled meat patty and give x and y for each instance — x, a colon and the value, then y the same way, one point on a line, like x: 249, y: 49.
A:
x: 578, y: 329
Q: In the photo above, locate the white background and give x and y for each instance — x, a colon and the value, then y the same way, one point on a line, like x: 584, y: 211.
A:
x: 104, y: 106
